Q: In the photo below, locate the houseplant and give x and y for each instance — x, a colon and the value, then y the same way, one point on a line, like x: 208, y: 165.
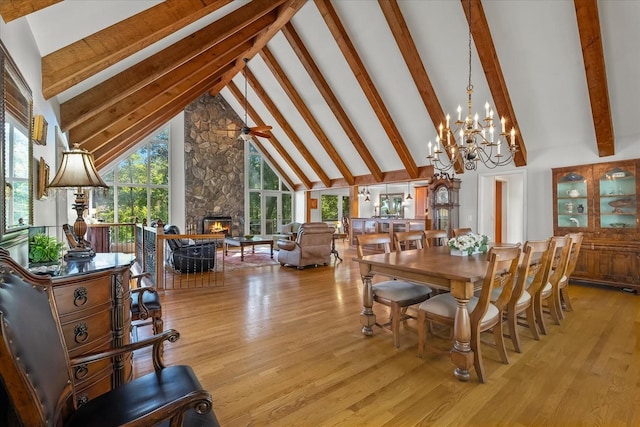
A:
x: 44, y: 249
x: 468, y: 244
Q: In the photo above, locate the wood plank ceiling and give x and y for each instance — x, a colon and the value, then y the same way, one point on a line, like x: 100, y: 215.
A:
x: 114, y: 115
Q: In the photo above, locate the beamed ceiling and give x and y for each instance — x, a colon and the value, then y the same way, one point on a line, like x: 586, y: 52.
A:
x: 353, y: 89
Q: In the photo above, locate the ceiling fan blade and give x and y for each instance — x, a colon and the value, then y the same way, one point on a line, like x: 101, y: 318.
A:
x: 260, y: 134
x: 260, y: 128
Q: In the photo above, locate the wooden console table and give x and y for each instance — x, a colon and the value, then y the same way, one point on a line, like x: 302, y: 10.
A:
x: 94, y: 308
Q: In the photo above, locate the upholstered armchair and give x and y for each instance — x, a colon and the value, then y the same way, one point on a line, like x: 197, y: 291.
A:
x: 187, y: 257
x: 311, y: 247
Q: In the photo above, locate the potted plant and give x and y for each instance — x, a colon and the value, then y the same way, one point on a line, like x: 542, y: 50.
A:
x: 468, y: 244
x: 44, y: 249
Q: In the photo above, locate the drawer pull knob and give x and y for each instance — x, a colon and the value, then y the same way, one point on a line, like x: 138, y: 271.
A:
x: 82, y: 399
x: 80, y: 296
x: 81, y: 332
x: 81, y: 371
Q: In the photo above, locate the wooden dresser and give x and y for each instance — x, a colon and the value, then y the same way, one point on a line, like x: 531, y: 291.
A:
x: 94, y: 301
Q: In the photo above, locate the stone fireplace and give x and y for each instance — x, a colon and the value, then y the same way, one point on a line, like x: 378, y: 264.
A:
x: 214, y: 165
x: 217, y: 224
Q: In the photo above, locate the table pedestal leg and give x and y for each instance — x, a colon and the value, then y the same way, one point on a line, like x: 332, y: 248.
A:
x: 367, y: 317
x: 271, y: 250
x: 461, y: 354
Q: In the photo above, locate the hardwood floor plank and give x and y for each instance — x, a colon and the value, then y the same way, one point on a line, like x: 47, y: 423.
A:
x: 281, y: 347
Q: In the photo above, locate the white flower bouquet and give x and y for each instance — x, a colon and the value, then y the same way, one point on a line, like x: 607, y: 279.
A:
x: 468, y: 244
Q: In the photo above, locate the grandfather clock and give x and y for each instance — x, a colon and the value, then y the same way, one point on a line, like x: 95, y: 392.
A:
x: 444, y: 203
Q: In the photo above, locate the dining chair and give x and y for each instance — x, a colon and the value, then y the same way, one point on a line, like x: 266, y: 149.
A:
x: 559, y: 265
x: 539, y: 285
x: 435, y: 238
x: 521, y: 302
x: 484, y: 315
x: 398, y: 295
x: 565, y: 301
x: 461, y: 231
x: 408, y: 240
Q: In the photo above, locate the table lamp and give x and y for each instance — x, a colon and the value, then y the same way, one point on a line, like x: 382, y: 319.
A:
x: 78, y: 172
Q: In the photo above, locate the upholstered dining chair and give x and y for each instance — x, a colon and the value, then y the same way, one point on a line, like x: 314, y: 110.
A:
x: 146, y: 308
x: 563, y: 285
x: 435, y: 238
x: 398, y: 295
x: 484, y: 315
x: 408, y: 240
x: 461, y: 231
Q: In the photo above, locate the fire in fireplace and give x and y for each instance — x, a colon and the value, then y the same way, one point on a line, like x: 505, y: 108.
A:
x: 217, y: 224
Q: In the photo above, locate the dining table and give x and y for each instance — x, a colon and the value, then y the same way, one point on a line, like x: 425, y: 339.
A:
x: 437, y: 268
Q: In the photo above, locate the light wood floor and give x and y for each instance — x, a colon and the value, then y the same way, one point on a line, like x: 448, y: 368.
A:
x: 280, y: 347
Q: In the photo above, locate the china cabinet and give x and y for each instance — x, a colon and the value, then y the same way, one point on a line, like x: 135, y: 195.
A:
x: 600, y: 200
x: 444, y: 202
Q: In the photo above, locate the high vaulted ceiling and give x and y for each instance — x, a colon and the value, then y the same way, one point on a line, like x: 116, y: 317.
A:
x: 354, y: 89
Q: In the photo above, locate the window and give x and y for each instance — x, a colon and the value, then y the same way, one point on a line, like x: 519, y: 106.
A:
x: 270, y: 200
x: 329, y: 207
x: 138, y: 185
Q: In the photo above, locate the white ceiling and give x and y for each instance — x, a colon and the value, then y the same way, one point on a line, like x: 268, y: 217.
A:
x: 536, y: 41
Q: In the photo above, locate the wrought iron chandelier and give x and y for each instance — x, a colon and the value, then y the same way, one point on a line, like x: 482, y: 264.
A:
x: 479, y: 140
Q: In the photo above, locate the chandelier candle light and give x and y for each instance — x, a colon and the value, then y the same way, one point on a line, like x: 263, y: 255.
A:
x: 479, y: 140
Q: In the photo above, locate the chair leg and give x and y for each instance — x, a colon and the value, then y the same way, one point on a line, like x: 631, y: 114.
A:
x: 540, y: 315
x: 395, y: 324
x: 477, y: 355
x: 422, y: 332
x: 564, y: 295
x: 499, y: 339
x: 512, y: 320
x: 531, y: 319
x: 557, y: 306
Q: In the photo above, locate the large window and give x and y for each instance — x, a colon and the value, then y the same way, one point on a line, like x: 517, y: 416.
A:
x: 334, y: 207
x: 138, y: 185
x: 270, y: 200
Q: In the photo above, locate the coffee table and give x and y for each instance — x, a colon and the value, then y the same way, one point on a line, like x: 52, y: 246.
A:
x: 242, y: 242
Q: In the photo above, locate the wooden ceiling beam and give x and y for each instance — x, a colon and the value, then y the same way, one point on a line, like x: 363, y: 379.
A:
x: 493, y: 72
x: 186, y: 91
x: 596, y: 73
x: 305, y: 112
x: 199, y: 68
x: 407, y: 46
x: 286, y: 128
x: 14, y: 9
x: 332, y: 101
x: 273, y: 140
x: 285, y: 13
x: 105, y: 94
x: 401, y: 175
x: 80, y: 60
x: 366, y: 83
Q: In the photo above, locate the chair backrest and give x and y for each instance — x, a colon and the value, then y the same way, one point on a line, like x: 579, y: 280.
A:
x: 523, y: 272
x: 502, y: 268
x: 314, y: 234
x: 461, y: 231
x: 561, y: 260
x: 373, y: 239
x: 544, y: 251
x: 408, y: 240
x: 576, y: 244
x: 174, y: 244
x: 34, y: 363
x: 435, y: 238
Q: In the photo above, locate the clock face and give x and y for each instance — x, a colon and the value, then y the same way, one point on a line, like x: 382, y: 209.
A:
x: 442, y: 195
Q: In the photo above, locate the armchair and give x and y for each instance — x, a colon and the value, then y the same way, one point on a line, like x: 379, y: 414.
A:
x: 188, y: 257
x: 311, y: 247
x: 36, y: 370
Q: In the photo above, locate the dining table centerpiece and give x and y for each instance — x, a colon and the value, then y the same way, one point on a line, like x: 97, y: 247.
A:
x: 468, y: 244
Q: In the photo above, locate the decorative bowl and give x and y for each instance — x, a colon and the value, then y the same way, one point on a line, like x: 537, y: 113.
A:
x: 248, y: 236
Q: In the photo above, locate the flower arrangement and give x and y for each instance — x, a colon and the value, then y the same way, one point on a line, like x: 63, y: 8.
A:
x: 469, y: 243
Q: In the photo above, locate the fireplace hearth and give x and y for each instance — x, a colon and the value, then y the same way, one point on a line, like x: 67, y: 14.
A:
x: 216, y: 224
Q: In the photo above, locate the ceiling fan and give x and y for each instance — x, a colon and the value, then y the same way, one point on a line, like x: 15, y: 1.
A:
x: 247, y: 132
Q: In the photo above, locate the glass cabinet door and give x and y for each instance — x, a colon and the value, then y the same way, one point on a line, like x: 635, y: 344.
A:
x: 573, y: 202
x: 617, y: 195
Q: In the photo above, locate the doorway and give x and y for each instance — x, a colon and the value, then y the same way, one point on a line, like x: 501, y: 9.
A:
x: 501, y: 206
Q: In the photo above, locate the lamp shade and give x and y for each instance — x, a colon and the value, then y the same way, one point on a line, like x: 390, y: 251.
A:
x: 77, y: 170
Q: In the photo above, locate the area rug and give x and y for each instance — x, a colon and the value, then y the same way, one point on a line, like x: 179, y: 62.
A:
x: 261, y: 258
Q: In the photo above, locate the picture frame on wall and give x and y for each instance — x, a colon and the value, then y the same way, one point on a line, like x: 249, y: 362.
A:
x: 313, y: 203
x: 40, y: 127
x: 43, y: 179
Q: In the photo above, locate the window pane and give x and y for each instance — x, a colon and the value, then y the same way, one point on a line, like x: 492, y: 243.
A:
x: 103, y: 205
x: 159, y: 163
x: 345, y: 207
x: 160, y: 204
x: 21, y: 161
x: 287, y: 211
x: 271, y: 180
x: 329, y: 207
x: 133, y: 170
x: 255, y: 212
x: 254, y: 172
x: 132, y: 203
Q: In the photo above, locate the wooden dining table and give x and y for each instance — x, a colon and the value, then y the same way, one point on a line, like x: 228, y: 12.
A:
x: 435, y: 267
